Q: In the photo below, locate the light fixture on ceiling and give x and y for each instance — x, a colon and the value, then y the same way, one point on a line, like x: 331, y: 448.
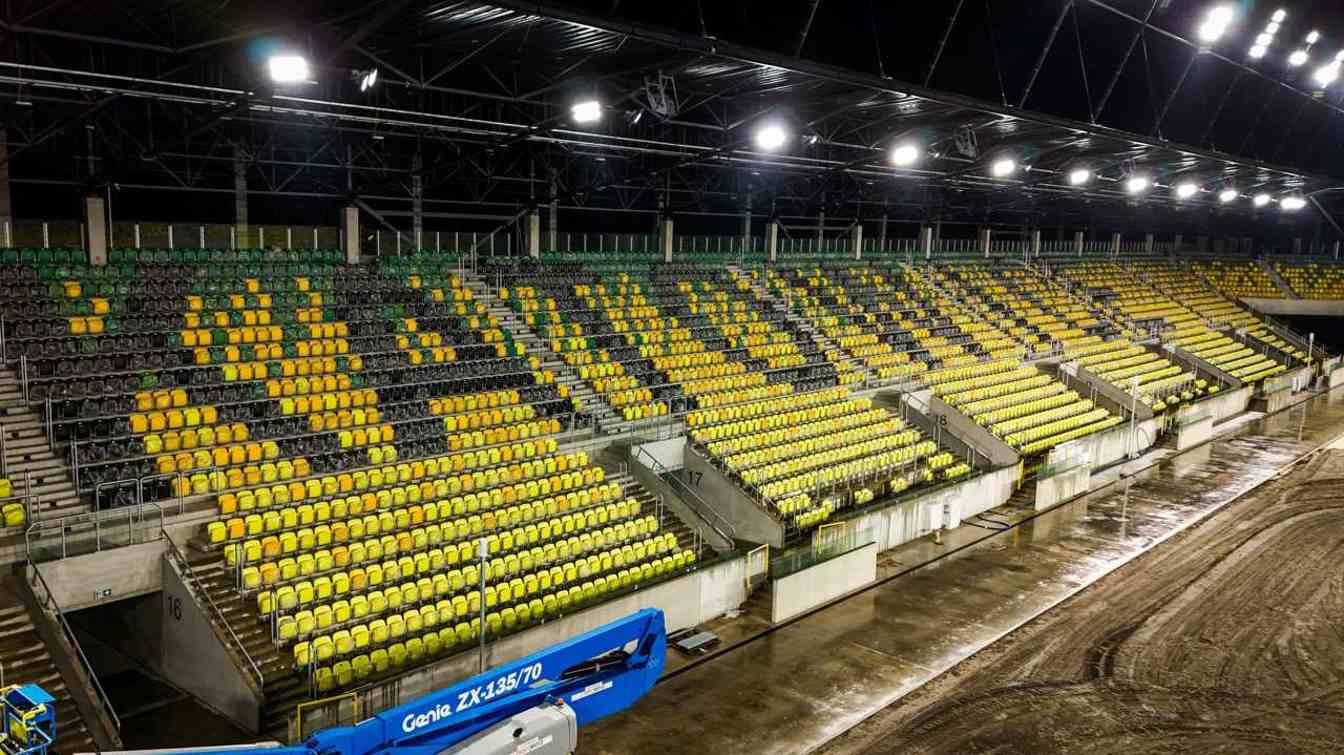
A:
x: 1227, y: 195
x: 367, y: 79
x: 1327, y: 74
x: 1313, y: 37
x: 288, y: 69
x: 1137, y: 184
x: 1079, y: 176
x: 1003, y: 167
x: 1278, y: 16
x: 586, y: 111
x: 1292, y: 204
x: 1298, y: 58
x: 904, y: 154
x: 1215, y: 24
x: 1261, y: 199
x: 771, y: 136
x: 1186, y: 190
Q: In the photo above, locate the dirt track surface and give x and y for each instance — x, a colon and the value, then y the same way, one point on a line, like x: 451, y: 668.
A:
x: 1229, y: 638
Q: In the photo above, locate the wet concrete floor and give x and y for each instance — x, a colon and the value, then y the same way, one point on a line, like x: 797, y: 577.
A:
x: 802, y: 684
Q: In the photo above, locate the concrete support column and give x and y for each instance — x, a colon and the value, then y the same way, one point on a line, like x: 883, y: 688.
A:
x: 1337, y: 249
x: 1078, y: 237
x: 1202, y: 243
x: 986, y: 237
x: 350, y: 234
x: 1297, y: 246
x: 1148, y: 243
x: 417, y: 204
x: 746, y: 224
x: 1177, y: 243
x: 856, y: 240
x: 552, y: 221
x: 95, y: 220
x: 6, y: 207
x: 665, y: 230
x: 772, y: 239
x: 1115, y: 244
x: 821, y: 227
x: 241, y: 237
x: 534, y: 234
x: 882, y: 235
x: 926, y: 241
x: 1035, y: 244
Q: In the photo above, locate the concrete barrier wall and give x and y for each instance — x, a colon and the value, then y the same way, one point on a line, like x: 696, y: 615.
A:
x: 750, y: 519
x: 1309, y: 307
x: 804, y: 590
x: 671, y: 453
x: 686, y: 601
x: 192, y: 657
x: 84, y: 581
x: 1106, y: 448
x: 1000, y: 454
x: 1226, y: 404
x: 917, y: 516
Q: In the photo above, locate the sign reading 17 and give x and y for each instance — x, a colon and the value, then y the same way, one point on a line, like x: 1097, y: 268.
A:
x: 501, y: 685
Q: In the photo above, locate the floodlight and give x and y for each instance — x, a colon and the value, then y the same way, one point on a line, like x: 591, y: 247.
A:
x: 1186, y: 190
x: 1260, y: 200
x: 1080, y: 176
x: 288, y: 69
x: 1003, y: 167
x: 1278, y: 16
x: 1263, y: 39
x: 1215, y: 23
x: 1313, y: 37
x: 1272, y: 28
x: 1227, y: 195
x: 367, y: 79
x: 1137, y: 184
x: 1298, y: 58
x: 1327, y: 74
x: 586, y: 111
x: 905, y: 154
x: 771, y: 137
x: 1258, y: 52
x: 1292, y: 204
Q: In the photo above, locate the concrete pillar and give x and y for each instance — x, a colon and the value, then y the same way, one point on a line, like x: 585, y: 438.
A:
x: 552, y: 220
x: 821, y: 227
x: 534, y: 234
x: 1337, y: 249
x: 926, y: 241
x: 1078, y: 243
x: 6, y: 207
x: 95, y: 220
x: 1035, y: 244
x: 417, y: 203
x: 746, y: 224
x: 882, y: 235
x: 856, y: 240
x: 986, y: 237
x: 350, y: 234
x: 1148, y: 243
x: 1297, y: 246
x: 241, y: 236
x: 665, y: 230
x: 1115, y: 244
x: 1177, y: 243
x: 772, y: 239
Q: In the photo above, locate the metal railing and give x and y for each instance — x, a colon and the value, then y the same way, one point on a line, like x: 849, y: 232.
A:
x: 105, y: 526
x: 47, y: 600
x: 693, y: 500
x: 198, y: 592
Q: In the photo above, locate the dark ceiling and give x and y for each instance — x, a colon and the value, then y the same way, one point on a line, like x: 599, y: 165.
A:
x: 473, y: 100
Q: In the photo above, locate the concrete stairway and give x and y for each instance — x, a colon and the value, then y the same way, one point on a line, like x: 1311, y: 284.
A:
x: 282, y: 687
x: 29, y: 457
x: 592, y: 404
x: 1278, y: 279
x: 26, y: 658
x: 612, y: 461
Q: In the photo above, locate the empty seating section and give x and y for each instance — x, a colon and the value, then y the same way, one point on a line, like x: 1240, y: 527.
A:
x: 1025, y: 407
x: 809, y: 455
x: 1241, y: 361
x: 665, y: 340
x: 1024, y: 307
x: 1238, y: 278
x: 1313, y: 280
x: 893, y: 320
x: 207, y: 378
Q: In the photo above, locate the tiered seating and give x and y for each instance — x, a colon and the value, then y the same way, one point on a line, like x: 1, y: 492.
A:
x: 1244, y: 363
x: 1314, y: 280
x: 1217, y: 309
x: 205, y: 378
x: 897, y: 323
x: 810, y: 455
x: 1238, y: 278
x: 665, y: 341
x: 1028, y: 409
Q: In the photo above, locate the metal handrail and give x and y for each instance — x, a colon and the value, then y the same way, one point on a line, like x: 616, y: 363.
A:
x: 48, y: 601
x: 696, y: 502
x: 195, y: 588
x: 65, y: 524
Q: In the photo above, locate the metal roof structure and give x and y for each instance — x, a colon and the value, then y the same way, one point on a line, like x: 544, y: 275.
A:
x: 471, y: 109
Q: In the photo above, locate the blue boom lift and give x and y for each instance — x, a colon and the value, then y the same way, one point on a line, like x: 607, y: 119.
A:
x: 533, y: 705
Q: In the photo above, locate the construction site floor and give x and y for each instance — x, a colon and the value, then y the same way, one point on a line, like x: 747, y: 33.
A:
x: 1172, y: 645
